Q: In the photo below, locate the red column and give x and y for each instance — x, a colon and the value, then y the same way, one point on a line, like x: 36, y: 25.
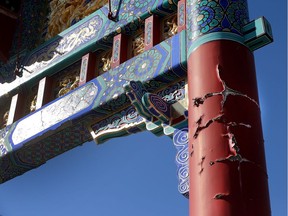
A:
x: 227, y: 164
x: 227, y: 167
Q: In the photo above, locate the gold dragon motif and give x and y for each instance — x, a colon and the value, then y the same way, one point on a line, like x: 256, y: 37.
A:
x: 138, y: 45
x: 67, y: 84
x: 106, y: 60
x: 5, y: 119
x: 170, y: 26
x: 33, y: 104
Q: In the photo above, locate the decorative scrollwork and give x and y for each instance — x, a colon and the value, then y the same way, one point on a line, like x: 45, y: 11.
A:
x: 5, y: 119
x: 170, y: 26
x: 66, y: 80
x: 105, y: 62
x: 180, y: 140
x: 68, y: 84
x: 138, y: 45
x: 33, y: 104
x: 156, y: 105
x: 66, y: 13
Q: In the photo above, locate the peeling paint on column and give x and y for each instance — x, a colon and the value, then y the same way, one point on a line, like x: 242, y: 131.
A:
x: 201, y: 164
x: 207, y: 124
x: 223, y: 196
x: 235, y: 155
x: 225, y: 93
x: 192, y: 151
x: 225, y: 127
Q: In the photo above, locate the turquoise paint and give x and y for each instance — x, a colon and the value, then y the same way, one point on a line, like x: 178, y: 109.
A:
x: 102, y: 107
x: 206, y: 17
x: 213, y: 37
x: 101, y: 41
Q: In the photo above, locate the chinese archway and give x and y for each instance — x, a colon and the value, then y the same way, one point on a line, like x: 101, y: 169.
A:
x: 76, y: 71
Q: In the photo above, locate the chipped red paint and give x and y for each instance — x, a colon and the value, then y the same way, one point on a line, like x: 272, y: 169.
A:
x: 227, y: 160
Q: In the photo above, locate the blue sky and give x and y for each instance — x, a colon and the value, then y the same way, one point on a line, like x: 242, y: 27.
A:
x: 136, y: 175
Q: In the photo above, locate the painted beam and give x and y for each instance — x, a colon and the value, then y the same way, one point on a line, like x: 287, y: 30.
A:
x: 63, y: 123
x: 93, y: 33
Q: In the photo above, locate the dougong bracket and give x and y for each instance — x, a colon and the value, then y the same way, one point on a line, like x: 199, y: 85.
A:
x: 159, y: 114
x: 162, y: 117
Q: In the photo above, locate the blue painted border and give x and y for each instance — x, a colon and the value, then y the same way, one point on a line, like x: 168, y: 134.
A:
x: 160, y: 73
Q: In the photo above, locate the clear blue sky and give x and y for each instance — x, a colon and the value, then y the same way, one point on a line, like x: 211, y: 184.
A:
x: 136, y: 175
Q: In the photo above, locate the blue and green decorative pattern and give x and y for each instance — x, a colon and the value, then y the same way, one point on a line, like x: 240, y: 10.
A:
x: 258, y: 33
x: 157, y: 107
x: 159, y: 121
x: 181, y: 15
x: 101, y: 109
x: 123, y: 123
x: 210, y: 20
x: 116, y: 50
x: 93, y: 33
x: 130, y: 120
x: 135, y: 92
x: 62, y: 123
x: 204, y: 17
x: 148, y: 33
x: 164, y: 64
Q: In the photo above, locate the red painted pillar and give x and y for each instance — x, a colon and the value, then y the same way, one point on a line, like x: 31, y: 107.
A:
x: 227, y: 165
